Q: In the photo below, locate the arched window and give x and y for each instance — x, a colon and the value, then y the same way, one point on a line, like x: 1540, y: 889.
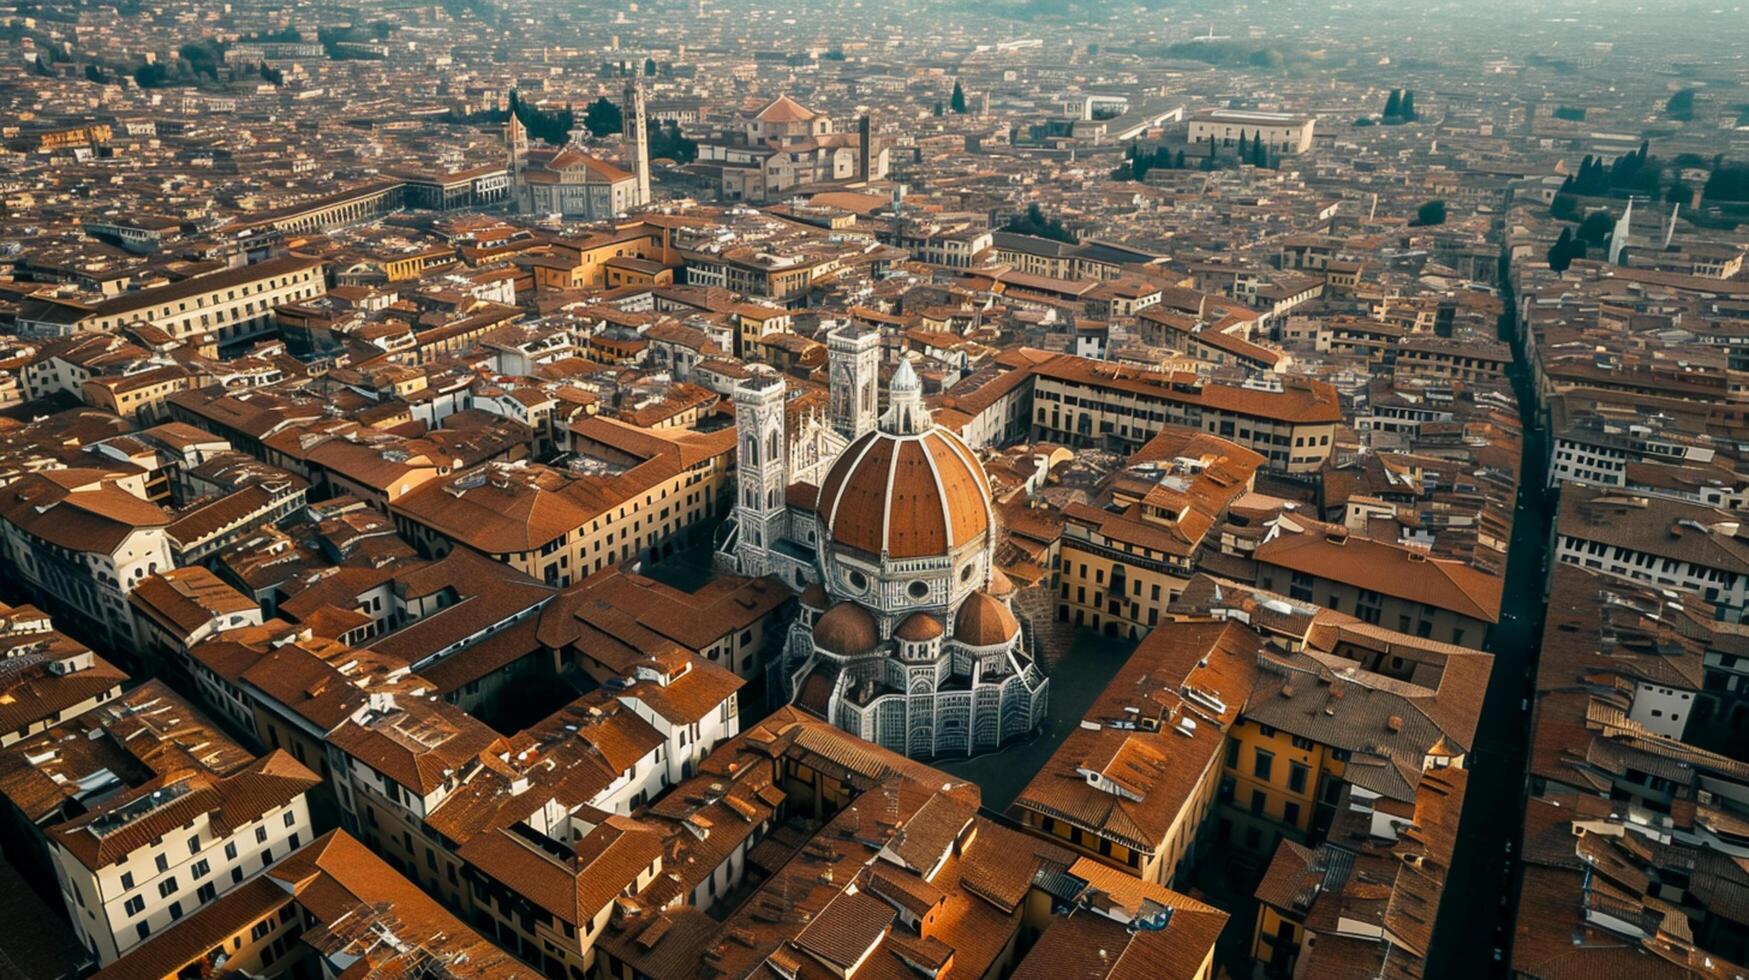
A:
x: 773, y: 451
x: 751, y: 451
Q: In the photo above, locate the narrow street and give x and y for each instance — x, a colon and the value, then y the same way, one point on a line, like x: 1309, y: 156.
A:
x: 1474, y: 930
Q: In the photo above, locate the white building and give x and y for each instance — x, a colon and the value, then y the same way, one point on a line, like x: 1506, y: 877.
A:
x: 1282, y: 133
x: 84, y: 542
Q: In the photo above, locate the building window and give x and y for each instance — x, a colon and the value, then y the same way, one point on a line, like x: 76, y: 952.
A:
x: 1262, y: 765
x: 1296, y: 777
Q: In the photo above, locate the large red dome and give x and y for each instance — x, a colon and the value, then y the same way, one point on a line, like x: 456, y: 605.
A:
x: 905, y: 495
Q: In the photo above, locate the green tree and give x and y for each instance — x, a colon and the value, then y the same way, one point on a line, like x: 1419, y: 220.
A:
x: 1259, y: 153
x: 1560, y: 254
x: 1680, y: 106
x: 203, y: 57
x: 1430, y: 213
x: 939, y: 109
x: 153, y: 75
x: 649, y: 67
x: 957, y: 101
x: 1394, y: 104
x: 668, y: 141
x: 1180, y: 164
x: 1595, y: 229
x: 603, y: 118
x: 1409, y: 105
x: 1034, y: 223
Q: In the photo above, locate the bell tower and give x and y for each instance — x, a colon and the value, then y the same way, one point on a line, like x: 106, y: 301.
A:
x: 637, y: 138
x: 853, y: 355
x: 516, y: 149
x: 761, y: 471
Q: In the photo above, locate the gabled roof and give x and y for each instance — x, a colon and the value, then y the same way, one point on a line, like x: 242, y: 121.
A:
x: 784, y: 109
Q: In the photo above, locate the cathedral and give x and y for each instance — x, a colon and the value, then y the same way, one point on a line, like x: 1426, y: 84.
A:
x: 786, y: 145
x: 906, y: 635
x: 573, y: 183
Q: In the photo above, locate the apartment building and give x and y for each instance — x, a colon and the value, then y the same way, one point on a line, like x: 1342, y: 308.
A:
x: 1449, y: 359
x: 46, y: 676
x: 176, y: 609
x: 1219, y: 343
x: 901, y: 876
x: 1380, y: 582
x: 631, y: 493
x: 218, y: 308
x: 1085, y: 403
x: 613, y: 616
x: 1635, y: 772
x: 1132, y: 786
x: 1667, y: 543
x: 1315, y: 904
x: 83, y: 543
x: 1131, y: 550
x: 329, y: 909
x: 142, y: 811
x: 536, y: 845
x: 1343, y: 717
x: 135, y: 865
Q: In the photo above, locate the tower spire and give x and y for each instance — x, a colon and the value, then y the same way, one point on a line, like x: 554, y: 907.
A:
x: 906, y: 415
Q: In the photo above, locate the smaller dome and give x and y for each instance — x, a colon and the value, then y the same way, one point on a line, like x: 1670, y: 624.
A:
x: 983, y: 621
x: 1001, y: 586
x: 919, y: 628
x: 814, y: 597
x: 847, y: 630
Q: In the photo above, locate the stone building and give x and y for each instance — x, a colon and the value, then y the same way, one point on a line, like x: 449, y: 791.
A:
x: 906, y: 635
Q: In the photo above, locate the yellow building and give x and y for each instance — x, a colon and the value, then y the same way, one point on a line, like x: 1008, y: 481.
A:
x: 1131, y: 550
x: 585, y: 263
x: 219, y: 307
x: 1339, y: 706
x: 1088, y: 403
x: 1132, y: 785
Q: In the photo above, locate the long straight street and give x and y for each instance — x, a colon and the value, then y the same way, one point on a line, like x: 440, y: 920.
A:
x: 1473, y: 935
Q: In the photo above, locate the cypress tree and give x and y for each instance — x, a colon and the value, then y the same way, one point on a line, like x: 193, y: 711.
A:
x: 1560, y: 253
x: 1394, y: 104
x: 1409, y: 104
